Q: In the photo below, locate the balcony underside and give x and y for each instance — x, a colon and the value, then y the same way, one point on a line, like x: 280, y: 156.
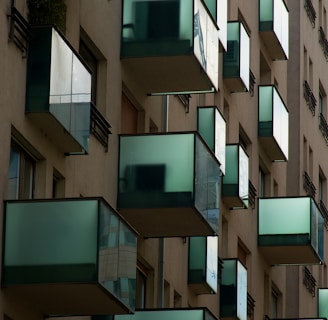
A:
x: 273, y: 45
x: 167, y: 222
x: 66, y: 299
x: 201, y: 288
x: 290, y: 253
x: 55, y: 132
x: 235, y: 84
x: 168, y: 73
x: 272, y: 149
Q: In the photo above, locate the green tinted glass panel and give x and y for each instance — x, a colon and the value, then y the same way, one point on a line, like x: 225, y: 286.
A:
x: 232, y: 166
x: 266, y: 14
x: 206, y: 126
x: 155, y: 28
x: 207, y: 184
x: 284, y: 216
x: 176, y: 314
x: 231, y: 58
x: 197, y: 260
x: 156, y: 170
x: 212, y: 7
x: 50, y: 241
x: 323, y: 303
x: 265, y: 111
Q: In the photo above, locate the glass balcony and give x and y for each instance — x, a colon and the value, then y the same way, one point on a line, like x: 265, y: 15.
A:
x: 236, y: 59
x: 235, y: 182
x: 290, y: 230
x: 172, y: 314
x: 171, y: 46
x: 233, y: 290
x: 169, y: 184
x: 273, y: 123
x: 212, y: 128
x: 203, y: 264
x: 58, y: 90
x: 323, y: 303
x: 69, y: 257
x: 274, y: 27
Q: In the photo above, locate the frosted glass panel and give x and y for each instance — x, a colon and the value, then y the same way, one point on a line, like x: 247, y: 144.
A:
x: 284, y: 216
x: 212, y: 262
x: 280, y: 123
x: 43, y: 233
x: 222, y: 21
x: 243, y: 174
x: 245, y: 56
x: 281, y: 24
x: 220, y: 140
x: 241, y: 292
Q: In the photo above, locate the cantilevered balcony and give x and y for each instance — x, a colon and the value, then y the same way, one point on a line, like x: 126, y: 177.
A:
x: 68, y: 257
x: 273, y: 123
x: 172, y: 314
x: 323, y: 303
x: 235, y: 183
x: 203, y: 264
x: 274, y: 28
x: 236, y: 59
x: 233, y: 290
x: 290, y: 230
x: 58, y: 90
x: 170, y: 46
x: 212, y: 128
x: 169, y: 184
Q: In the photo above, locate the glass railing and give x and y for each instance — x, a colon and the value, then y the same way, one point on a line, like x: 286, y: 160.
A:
x: 323, y: 303
x: 73, y: 242
x: 175, y: 170
x: 233, y: 290
x: 274, y: 16
x: 172, y: 28
x: 273, y: 121
x: 203, y: 264
x: 59, y: 84
x: 223, y: 22
x: 235, y: 183
x: 172, y: 314
x: 291, y: 222
x: 212, y: 128
x: 236, y: 60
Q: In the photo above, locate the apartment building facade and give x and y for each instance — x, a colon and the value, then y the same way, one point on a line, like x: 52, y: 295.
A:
x: 163, y: 159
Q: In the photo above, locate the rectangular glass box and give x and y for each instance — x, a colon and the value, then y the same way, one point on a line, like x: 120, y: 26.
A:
x: 290, y: 230
x: 69, y: 256
x: 58, y: 90
x: 169, y: 184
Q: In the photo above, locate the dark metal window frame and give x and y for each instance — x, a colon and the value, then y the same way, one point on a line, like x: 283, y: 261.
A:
x: 311, y: 101
x: 310, y: 11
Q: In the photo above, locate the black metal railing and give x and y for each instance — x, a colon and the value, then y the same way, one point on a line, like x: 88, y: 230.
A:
x: 251, y: 194
x: 323, y: 126
x: 252, y: 82
x: 311, y: 101
x: 308, y: 185
x: 250, y: 307
x: 99, y: 126
x: 309, y: 281
x: 19, y: 30
x: 310, y: 11
x: 184, y: 98
x: 324, y: 212
x: 323, y: 42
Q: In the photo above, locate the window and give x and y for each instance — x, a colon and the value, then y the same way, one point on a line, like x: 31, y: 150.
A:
x: 21, y: 174
x: 275, y: 303
x: 261, y: 183
x: 58, y: 185
x: 141, y: 285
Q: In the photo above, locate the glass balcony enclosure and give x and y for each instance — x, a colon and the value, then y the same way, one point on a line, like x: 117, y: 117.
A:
x: 171, y: 46
x: 274, y: 27
x: 212, y: 128
x: 273, y: 127
x: 236, y: 59
x: 169, y: 184
x: 58, y: 90
x: 58, y: 253
x: 235, y: 181
x: 323, y: 303
x: 172, y: 314
x: 203, y: 264
x: 233, y: 290
x: 290, y: 230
